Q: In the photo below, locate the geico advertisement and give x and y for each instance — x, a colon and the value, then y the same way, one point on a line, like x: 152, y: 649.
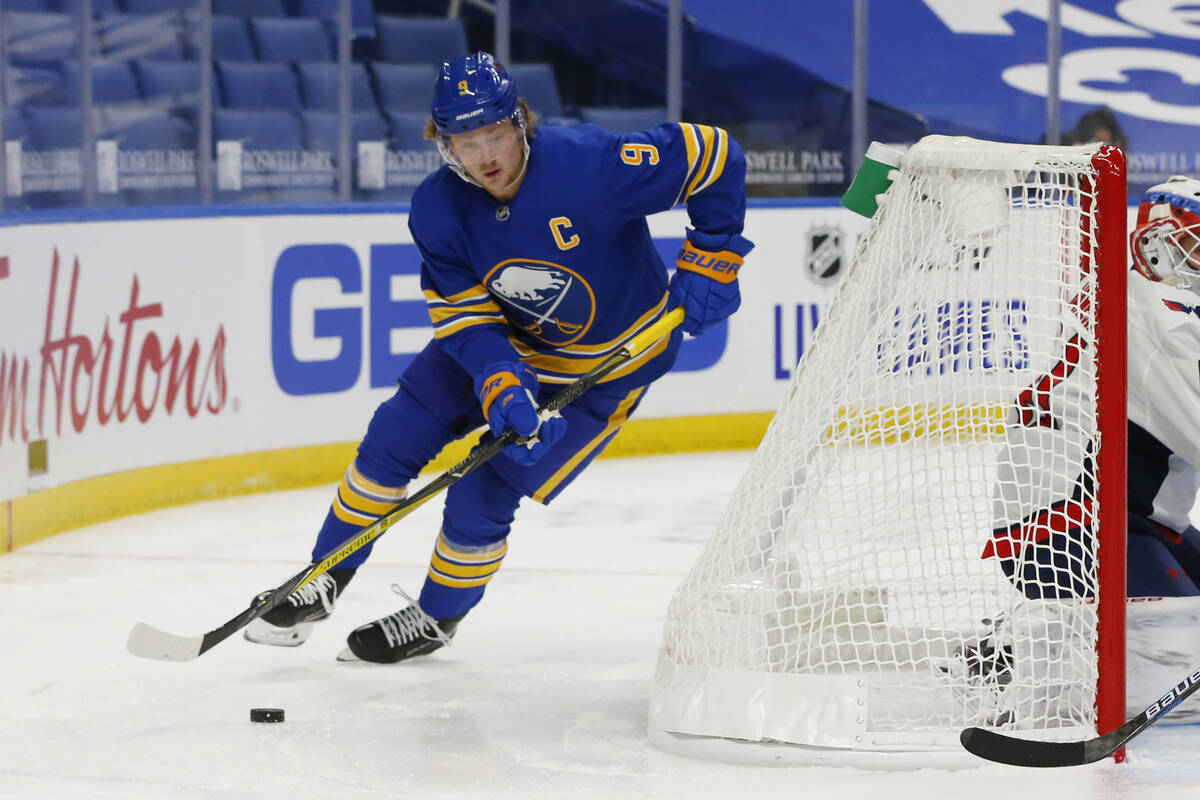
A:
x: 134, y: 343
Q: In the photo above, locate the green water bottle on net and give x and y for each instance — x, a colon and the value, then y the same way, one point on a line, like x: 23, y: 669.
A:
x: 873, y: 179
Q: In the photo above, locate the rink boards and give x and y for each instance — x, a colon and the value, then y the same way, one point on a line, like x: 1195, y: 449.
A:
x: 148, y: 360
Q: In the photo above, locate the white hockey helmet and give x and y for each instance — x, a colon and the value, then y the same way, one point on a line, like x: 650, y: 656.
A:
x: 1165, y: 242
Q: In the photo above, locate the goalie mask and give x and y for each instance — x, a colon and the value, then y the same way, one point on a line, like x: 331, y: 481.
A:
x: 473, y: 92
x: 1165, y: 243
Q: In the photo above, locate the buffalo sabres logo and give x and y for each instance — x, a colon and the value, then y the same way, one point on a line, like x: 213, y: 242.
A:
x: 824, y: 254
x: 546, y: 300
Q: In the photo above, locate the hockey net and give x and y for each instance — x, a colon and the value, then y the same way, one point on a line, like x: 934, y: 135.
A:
x: 931, y: 534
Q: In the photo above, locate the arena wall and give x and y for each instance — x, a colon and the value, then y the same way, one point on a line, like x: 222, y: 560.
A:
x: 159, y: 357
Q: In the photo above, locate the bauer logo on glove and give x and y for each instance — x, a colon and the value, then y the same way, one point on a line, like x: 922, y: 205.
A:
x: 722, y: 266
x: 705, y: 285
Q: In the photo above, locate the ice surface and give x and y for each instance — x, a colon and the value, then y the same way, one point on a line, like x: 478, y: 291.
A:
x: 543, y: 694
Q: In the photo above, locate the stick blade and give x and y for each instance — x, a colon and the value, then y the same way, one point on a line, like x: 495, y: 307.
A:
x: 147, y: 641
x: 1024, y: 752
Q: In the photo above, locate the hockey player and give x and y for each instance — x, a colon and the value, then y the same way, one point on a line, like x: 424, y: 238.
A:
x: 1164, y: 392
x: 1164, y: 439
x: 537, y: 263
x: 1043, y: 512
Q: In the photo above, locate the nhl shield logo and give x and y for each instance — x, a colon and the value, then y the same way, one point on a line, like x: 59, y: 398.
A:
x: 825, y: 255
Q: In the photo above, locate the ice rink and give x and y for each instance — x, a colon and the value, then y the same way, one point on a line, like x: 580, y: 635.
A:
x: 543, y: 694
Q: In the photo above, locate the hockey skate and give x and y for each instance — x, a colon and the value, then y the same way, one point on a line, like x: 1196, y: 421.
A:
x: 290, y: 623
x: 397, y: 637
x: 981, y: 671
x: 1032, y: 670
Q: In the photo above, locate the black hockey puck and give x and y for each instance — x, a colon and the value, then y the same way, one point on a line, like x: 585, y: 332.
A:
x: 266, y: 715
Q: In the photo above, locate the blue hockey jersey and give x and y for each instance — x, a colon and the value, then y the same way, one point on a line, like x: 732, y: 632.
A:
x: 566, y: 271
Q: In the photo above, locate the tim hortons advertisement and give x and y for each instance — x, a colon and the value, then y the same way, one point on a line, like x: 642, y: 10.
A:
x: 135, y: 343
x: 113, y: 337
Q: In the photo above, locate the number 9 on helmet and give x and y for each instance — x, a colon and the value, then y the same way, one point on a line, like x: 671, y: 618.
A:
x: 472, y: 92
x: 1165, y: 242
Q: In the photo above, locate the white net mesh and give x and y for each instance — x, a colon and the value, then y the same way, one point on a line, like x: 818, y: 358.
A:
x: 910, y: 551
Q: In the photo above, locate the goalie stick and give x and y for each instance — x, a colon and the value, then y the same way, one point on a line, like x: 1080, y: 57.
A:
x: 1029, y: 753
x: 146, y: 641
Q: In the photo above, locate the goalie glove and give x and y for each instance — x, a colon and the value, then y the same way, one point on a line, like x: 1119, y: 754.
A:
x: 705, y: 283
x: 507, y: 392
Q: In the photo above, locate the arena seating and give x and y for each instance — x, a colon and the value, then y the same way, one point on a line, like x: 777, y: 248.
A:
x: 404, y: 87
x: 537, y: 85
x: 321, y: 129
x: 261, y: 86
x: 291, y: 39
x: 169, y: 79
x: 231, y: 40
x: 624, y: 120
x: 320, y: 83
x: 275, y: 84
x: 420, y: 40
x: 125, y: 36
x: 112, y: 82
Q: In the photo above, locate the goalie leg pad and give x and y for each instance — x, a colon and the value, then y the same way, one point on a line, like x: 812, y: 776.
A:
x: 1162, y: 563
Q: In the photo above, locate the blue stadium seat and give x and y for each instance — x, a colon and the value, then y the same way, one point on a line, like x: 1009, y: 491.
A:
x: 231, y: 40
x: 166, y: 79
x: 54, y: 128
x: 125, y: 36
x: 259, y: 130
x: 39, y: 38
x: 28, y: 85
x: 320, y: 85
x: 408, y: 129
x: 112, y: 82
x: 37, y: 6
x: 417, y: 40
x: 259, y: 86
x: 404, y: 87
x: 156, y: 6
x: 291, y: 40
x: 535, y: 82
x: 250, y: 8
x: 72, y: 6
x: 362, y: 15
x: 269, y: 130
x: 321, y: 129
x: 624, y: 120
x: 66, y: 6
x: 143, y: 129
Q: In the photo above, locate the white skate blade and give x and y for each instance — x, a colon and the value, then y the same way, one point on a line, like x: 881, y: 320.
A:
x: 347, y: 656
x: 262, y: 632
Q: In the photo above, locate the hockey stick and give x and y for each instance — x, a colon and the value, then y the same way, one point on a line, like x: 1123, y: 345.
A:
x: 146, y: 641
x: 1029, y: 753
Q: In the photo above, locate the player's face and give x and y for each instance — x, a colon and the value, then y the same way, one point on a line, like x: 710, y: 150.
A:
x: 1188, y: 240
x: 494, y: 157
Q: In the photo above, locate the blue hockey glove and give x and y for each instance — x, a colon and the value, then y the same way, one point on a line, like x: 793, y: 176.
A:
x: 507, y: 392
x: 705, y: 282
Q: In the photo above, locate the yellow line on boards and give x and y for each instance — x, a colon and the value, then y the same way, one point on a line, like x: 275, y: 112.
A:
x: 88, y: 501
